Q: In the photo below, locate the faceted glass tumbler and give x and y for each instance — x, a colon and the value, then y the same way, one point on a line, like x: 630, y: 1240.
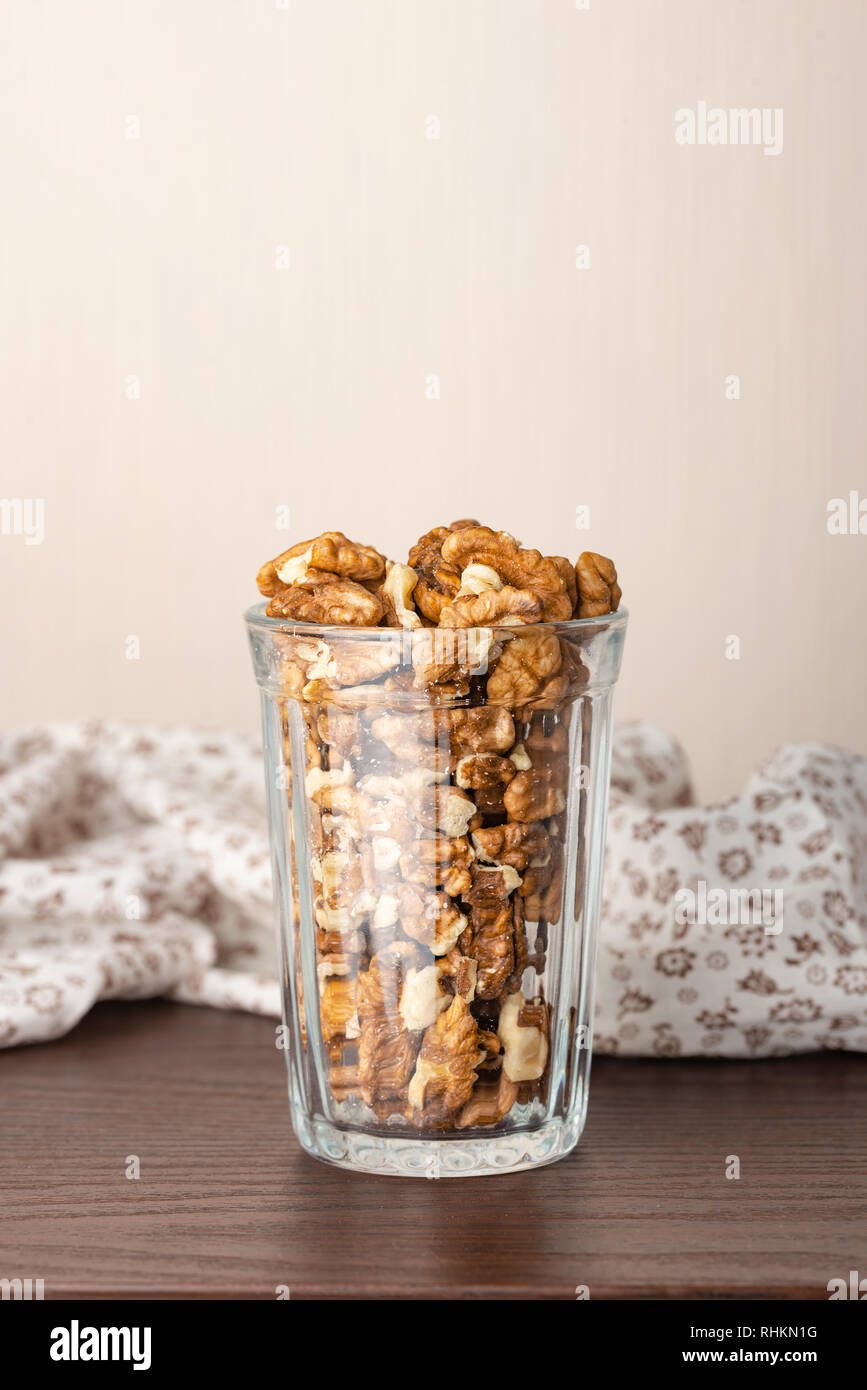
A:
x: 437, y: 802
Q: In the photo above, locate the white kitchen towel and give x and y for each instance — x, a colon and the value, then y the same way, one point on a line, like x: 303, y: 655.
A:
x: 134, y: 862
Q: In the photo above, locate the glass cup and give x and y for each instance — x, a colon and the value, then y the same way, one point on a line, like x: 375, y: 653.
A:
x: 437, y: 803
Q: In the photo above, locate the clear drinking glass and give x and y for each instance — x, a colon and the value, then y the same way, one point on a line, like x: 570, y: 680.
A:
x: 437, y: 805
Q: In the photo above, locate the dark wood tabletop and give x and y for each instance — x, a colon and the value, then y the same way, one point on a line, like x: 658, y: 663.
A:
x: 228, y: 1206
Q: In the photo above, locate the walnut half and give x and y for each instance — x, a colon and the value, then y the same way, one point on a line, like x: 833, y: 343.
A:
x: 525, y: 1048
x: 598, y: 590
x: 445, y: 1072
x: 335, y: 602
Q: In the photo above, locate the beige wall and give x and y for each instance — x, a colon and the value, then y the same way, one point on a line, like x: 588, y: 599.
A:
x: 263, y: 126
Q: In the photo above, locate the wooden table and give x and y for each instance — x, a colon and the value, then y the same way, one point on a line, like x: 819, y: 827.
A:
x: 227, y: 1205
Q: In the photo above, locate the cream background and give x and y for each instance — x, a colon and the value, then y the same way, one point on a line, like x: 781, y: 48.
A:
x: 304, y: 126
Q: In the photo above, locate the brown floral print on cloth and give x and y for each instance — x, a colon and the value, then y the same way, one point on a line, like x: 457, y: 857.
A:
x: 133, y: 862
x: 757, y: 986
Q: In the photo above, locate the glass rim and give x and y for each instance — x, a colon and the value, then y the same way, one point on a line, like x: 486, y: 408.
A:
x: 255, y: 617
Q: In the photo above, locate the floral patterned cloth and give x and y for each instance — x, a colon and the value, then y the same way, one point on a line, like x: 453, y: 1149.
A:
x: 134, y: 862
x: 674, y: 980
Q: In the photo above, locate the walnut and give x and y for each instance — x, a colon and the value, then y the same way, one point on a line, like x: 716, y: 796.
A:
x: 539, y: 959
x: 518, y: 569
x: 417, y: 778
x: 338, y: 813
x: 491, y: 1043
x: 520, y: 758
x: 292, y: 680
x: 522, y: 956
x: 534, y: 1015
x: 347, y: 810
x: 337, y: 1009
x: 445, y: 809
x: 492, y: 943
x: 328, y: 832
x: 423, y: 997
x: 566, y: 570
x: 525, y: 669
x: 331, y: 552
x: 294, y: 563
x: 488, y: 775
x: 348, y: 663
x: 540, y: 791
x: 382, y: 787
x: 338, y: 919
x: 340, y: 602
x: 445, y: 693
x: 543, y: 905
x: 437, y: 581
x: 459, y: 974
x: 598, y: 590
x: 517, y: 843
x: 504, y: 607
x: 492, y: 883
x: 545, y: 750
x: 429, y: 600
x: 445, y: 1072
x: 331, y: 790
x: 386, y: 1054
x: 330, y: 945
x: 533, y: 796
x: 536, y: 877
x: 385, y: 850
x: 479, y: 579
x: 485, y: 730
x: 378, y: 910
x: 574, y: 671
x: 444, y: 655
x: 547, y: 741
x: 340, y: 730
x: 344, y: 1081
x: 386, y: 1050
x: 439, y: 863
x: 396, y: 594
x: 525, y: 1047
x: 398, y: 791
x: 410, y: 738
x: 319, y: 780
x: 389, y: 819
x: 337, y: 876
x: 481, y: 770
x: 489, y: 1103
x: 431, y: 919
x: 297, y: 654
x: 337, y: 964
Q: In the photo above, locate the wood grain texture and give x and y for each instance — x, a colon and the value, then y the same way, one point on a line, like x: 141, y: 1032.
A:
x: 227, y: 1205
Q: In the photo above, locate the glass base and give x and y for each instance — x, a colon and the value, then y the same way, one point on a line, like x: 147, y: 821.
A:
x: 436, y: 1158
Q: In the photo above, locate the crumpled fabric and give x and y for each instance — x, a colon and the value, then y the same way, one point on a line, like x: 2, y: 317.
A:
x: 754, y: 983
x: 134, y: 862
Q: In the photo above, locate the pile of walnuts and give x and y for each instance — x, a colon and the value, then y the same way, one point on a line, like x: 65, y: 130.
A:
x: 435, y: 784
x: 463, y: 575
